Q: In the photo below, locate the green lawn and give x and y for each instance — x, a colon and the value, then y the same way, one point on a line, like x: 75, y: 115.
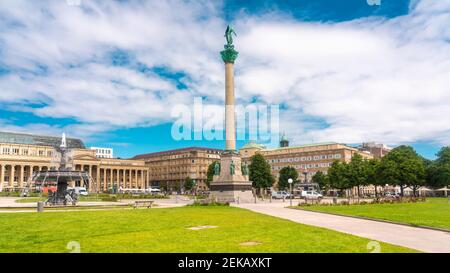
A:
x: 94, y: 198
x: 37, y: 199
x: 165, y: 230
x: 435, y: 212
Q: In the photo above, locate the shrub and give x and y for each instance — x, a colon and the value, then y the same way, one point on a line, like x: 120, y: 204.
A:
x: 208, y: 202
x: 111, y: 198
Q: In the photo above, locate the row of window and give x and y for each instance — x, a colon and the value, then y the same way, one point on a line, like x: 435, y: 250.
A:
x: 17, y: 151
x: 304, y: 158
x: 104, y: 151
x: 305, y: 166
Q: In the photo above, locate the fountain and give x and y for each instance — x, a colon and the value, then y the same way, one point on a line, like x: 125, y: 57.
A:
x: 60, y: 177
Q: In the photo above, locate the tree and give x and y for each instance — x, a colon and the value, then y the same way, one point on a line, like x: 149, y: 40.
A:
x: 403, y: 167
x: 260, y: 172
x: 373, y: 173
x: 321, y: 179
x: 338, y: 176
x: 356, y: 172
x: 438, y: 172
x: 285, y: 174
x: 188, y: 183
x: 210, y: 173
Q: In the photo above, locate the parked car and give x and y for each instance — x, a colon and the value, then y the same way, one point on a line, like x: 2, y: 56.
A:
x: 137, y: 191
x: 311, y: 195
x: 280, y: 195
x: 392, y: 195
x: 81, y: 191
x: 153, y: 190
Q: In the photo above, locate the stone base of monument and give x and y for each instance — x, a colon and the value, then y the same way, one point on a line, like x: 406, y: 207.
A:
x: 231, y: 185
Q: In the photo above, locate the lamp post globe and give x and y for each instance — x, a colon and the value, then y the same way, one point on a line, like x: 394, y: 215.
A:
x: 290, y: 190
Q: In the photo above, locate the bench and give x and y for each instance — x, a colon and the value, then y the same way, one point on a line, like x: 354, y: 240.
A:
x: 142, y: 203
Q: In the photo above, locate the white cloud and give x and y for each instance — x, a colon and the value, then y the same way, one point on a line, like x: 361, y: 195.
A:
x: 367, y: 79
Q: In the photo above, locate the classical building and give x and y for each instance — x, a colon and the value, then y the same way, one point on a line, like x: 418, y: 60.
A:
x: 378, y: 150
x: 23, y: 154
x: 170, y: 168
x: 307, y: 159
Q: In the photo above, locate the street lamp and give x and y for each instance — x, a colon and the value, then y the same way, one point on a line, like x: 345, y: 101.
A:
x: 195, y: 187
x: 290, y: 189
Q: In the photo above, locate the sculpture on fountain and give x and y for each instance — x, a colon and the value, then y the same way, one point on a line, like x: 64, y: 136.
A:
x: 60, y: 177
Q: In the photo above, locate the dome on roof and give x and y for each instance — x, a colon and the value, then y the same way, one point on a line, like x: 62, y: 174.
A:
x: 284, y: 142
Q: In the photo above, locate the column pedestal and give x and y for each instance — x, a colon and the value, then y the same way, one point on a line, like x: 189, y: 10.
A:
x: 228, y: 187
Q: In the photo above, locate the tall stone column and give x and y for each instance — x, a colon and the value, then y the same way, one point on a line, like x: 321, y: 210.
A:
x: 104, y: 179
x: 2, y: 177
x: 82, y: 182
x: 117, y: 178
x: 229, y: 55
x: 128, y: 178
x: 230, y: 120
x: 119, y: 183
x: 90, y: 177
x: 97, y: 180
x: 22, y: 171
x: 11, y: 176
x: 229, y: 183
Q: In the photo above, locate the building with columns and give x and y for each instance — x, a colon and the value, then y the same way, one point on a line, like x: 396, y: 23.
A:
x: 22, y: 154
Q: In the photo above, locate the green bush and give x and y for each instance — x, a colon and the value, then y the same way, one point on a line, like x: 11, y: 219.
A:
x: 10, y: 193
x: 141, y: 196
x: 111, y: 198
x: 205, y: 202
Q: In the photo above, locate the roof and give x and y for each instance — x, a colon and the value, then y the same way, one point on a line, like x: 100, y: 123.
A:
x: 303, y: 146
x: 175, y: 151
x: 31, y: 139
x: 251, y: 145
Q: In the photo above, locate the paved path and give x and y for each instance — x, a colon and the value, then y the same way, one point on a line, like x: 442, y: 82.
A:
x: 417, y: 238
x: 6, y: 203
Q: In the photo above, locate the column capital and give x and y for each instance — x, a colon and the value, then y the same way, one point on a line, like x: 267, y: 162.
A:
x: 229, y: 55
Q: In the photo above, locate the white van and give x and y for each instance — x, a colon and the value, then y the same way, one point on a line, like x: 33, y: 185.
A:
x: 153, y: 190
x: 311, y: 195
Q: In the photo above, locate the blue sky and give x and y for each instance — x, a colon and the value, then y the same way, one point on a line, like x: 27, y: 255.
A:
x: 111, y: 72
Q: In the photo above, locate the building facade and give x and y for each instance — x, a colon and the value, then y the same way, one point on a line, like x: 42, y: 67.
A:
x: 169, y: 169
x: 378, y: 150
x: 306, y: 159
x: 23, y: 154
x: 103, y: 152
